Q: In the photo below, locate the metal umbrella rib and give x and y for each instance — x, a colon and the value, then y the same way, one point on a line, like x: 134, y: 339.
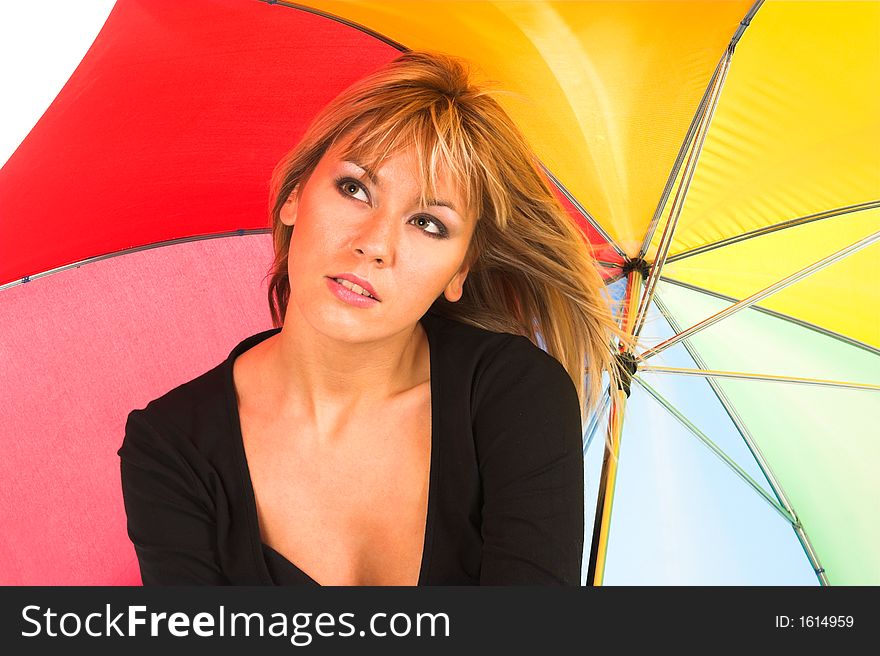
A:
x: 584, y: 213
x: 340, y: 20
x: 757, y: 296
x: 778, y: 315
x: 590, y: 430
x: 772, y: 378
x: 685, y: 149
x: 739, y: 471
x: 168, y: 242
x: 678, y: 201
x: 766, y: 230
x: 692, y: 129
x: 751, y: 443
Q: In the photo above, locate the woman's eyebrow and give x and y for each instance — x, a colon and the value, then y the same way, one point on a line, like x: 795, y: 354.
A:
x: 372, y: 176
x: 440, y: 202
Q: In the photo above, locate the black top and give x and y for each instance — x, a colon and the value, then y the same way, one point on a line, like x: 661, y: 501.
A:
x: 506, y: 490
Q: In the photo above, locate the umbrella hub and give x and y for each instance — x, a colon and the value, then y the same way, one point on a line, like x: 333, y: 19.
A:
x: 627, y: 365
x: 637, y: 264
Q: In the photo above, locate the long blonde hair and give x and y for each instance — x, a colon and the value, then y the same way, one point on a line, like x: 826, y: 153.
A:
x: 531, y: 268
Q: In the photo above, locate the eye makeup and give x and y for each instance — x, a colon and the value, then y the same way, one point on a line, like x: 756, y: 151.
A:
x: 349, y: 188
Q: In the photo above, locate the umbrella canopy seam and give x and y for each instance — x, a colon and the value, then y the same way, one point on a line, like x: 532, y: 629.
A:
x: 778, y: 315
x: 759, y: 232
x: 583, y: 212
x: 343, y: 21
x: 241, y: 232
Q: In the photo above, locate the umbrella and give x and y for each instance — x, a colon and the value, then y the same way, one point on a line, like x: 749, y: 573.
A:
x: 720, y: 157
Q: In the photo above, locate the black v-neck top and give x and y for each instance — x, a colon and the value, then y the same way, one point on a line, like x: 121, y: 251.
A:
x: 506, y: 487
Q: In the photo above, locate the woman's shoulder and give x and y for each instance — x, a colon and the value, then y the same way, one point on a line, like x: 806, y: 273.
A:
x: 508, y: 355
x: 198, y: 411
x: 460, y: 341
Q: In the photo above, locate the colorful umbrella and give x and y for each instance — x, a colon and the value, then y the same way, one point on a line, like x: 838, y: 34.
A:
x: 721, y: 158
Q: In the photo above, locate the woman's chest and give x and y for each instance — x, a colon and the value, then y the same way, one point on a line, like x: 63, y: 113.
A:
x: 351, y: 511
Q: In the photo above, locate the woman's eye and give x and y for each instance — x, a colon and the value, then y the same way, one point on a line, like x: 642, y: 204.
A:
x: 423, y: 221
x: 352, y: 188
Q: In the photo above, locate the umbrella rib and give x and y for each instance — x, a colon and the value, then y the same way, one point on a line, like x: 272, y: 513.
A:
x: 583, y: 212
x: 757, y: 296
x: 752, y: 445
x: 608, y: 473
x: 745, y: 22
x: 691, y: 134
x: 613, y: 279
x: 692, y: 129
x: 696, y: 147
x: 344, y: 21
x: 739, y: 471
x: 127, y: 251
x: 760, y: 232
x: 779, y: 315
x: 587, y: 437
x: 773, y: 378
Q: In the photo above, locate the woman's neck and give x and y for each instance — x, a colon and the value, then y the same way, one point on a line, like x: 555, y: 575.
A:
x: 327, y: 381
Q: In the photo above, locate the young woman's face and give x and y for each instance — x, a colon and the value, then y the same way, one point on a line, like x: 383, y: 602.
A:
x: 369, y: 225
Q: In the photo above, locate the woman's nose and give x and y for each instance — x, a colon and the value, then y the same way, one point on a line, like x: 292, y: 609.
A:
x: 376, y: 238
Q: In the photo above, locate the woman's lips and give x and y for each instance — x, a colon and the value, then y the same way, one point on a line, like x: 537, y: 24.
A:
x: 352, y: 279
x: 348, y: 296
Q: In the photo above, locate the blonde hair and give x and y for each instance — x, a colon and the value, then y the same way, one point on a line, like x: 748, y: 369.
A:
x: 531, y: 268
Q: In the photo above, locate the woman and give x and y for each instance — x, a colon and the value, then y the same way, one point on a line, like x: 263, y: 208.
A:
x: 398, y: 426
